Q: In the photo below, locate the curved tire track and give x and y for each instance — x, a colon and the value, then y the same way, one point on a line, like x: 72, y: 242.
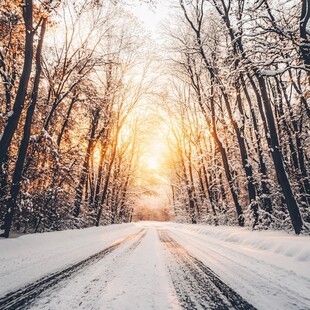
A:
x: 196, y: 285
x: 22, y: 297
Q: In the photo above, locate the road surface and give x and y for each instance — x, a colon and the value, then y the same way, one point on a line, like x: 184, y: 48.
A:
x: 159, y: 267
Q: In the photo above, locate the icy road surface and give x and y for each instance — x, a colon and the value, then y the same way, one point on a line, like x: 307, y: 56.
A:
x: 156, y: 266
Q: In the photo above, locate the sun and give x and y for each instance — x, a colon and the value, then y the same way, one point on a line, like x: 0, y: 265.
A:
x: 154, y: 153
x: 153, y: 163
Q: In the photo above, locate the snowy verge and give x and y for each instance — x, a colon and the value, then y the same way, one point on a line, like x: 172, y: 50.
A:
x: 278, y: 242
x: 30, y: 257
x: 270, y: 269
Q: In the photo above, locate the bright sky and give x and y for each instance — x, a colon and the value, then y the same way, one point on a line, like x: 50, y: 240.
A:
x: 150, y: 15
x: 152, y: 161
x: 156, y: 153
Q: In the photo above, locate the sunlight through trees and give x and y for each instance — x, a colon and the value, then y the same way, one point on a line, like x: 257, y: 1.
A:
x: 203, y: 110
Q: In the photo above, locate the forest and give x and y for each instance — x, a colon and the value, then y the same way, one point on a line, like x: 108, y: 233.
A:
x: 96, y: 114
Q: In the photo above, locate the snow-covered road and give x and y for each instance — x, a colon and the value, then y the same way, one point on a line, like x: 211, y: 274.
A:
x: 152, y: 265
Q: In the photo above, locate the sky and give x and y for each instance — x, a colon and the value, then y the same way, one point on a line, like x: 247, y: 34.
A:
x: 151, y: 16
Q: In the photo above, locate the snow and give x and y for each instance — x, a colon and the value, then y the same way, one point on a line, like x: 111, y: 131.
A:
x: 30, y: 257
x: 275, y: 242
x: 129, y: 278
x: 10, y: 113
x: 269, y: 269
x: 143, y: 279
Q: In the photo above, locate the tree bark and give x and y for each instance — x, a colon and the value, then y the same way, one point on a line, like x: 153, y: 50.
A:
x: 305, y: 43
x: 282, y: 176
x: 65, y: 123
x: 107, y: 179
x: 19, y: 103
x: 18, y: 171
x: 85, y: 169
x: 226, y: 165
x: 267, y: 204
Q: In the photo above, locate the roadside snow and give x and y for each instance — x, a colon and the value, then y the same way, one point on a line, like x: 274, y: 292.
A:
x: 30, y: 257
x: 269, y: 269
x: 297, y: 248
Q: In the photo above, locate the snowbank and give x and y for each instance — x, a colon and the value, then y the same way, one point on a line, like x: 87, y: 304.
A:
x: 278, y: 242
x: 30, y: 257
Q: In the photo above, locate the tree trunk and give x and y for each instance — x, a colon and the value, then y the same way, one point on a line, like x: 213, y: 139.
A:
x: 282, y: 176
x: 247, y: 167
x: 65, y: 123
x: 190, y: 196
x: 267, y: 204
x: 304, y: 177
x: 107, y: 179
x: 207, y: 185
x: 225, y: 163
x: 19, y: 103
x: 305, y: 43
x: 191, y: 183
x: 4, y: 174
x: 85, y: 169
x: 18, y: 172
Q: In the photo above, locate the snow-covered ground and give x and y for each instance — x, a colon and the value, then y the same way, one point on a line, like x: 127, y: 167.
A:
x: 269, y: 270
x: 30, y: 257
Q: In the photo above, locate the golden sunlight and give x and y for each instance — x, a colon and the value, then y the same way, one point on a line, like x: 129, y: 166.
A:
x: 154, y: 156
x: 153, y: 163
x: 96, y: 155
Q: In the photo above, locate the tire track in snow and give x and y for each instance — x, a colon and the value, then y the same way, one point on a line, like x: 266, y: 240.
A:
x: 118, y: 260
x: 268, y: 284
x: 196, y: 285
x: 89, y: 284
x: 22, y: 297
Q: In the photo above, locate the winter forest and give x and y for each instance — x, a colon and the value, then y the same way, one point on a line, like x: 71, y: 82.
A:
x: 99, y: 115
